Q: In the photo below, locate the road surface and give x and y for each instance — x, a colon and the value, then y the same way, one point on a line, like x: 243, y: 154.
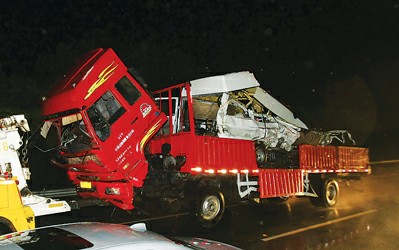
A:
x: 366, y: 217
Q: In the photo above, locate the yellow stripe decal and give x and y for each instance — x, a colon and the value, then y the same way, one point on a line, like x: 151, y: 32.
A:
x: 148, y: 135
x: 102, y: 77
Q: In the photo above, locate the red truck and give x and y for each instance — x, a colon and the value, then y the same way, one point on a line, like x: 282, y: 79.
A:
x: 198, y: 145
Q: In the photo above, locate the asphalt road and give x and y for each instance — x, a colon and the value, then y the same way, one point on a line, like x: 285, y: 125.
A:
x: 366, y: 217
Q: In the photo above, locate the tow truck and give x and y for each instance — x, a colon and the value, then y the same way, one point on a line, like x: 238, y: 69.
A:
x: 18, y: 206
x: 198, y: 145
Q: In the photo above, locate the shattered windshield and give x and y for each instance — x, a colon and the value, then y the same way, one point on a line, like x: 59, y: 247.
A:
x: 74, y: 134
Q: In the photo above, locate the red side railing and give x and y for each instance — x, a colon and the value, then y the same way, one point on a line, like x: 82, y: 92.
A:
x: 280, y: 182
x: 332, y: 159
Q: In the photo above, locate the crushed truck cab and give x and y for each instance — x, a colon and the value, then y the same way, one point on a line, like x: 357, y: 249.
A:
x: 101, y: 118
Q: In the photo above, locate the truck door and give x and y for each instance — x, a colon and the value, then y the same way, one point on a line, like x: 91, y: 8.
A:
x: 123, y: 119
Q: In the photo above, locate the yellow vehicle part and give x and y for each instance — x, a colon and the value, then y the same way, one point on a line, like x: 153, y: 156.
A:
x: 13, y: 214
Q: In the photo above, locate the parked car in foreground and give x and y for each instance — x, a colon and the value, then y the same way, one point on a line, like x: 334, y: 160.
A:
x: 96, y: 235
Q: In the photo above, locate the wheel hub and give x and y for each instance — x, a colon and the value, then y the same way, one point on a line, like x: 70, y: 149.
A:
x: 210, y: 207
x: 331, y: 194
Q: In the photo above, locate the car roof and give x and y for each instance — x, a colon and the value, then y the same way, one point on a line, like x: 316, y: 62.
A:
x: 93, y: 235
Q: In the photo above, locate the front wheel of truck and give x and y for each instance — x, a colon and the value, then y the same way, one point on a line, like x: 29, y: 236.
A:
x: 210, y: 207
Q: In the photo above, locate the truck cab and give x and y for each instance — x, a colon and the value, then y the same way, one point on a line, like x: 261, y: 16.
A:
x: 101, y: 117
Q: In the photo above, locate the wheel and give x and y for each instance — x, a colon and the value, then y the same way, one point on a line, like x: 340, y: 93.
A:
x: 260, y: 155
x: 328, y: 194
x: 4, y: 229
x: 210, y: 207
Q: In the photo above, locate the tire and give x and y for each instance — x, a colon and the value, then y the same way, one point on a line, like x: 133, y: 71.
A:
x: 328, y: 194
x: 210, y: 208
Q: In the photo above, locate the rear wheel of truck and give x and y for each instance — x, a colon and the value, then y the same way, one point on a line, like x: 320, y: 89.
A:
x: 210, y: 208
x: 328, y: 194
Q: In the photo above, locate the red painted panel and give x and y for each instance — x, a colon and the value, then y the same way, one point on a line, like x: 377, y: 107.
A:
x: 317, y: 157
x: 353, y: 158
x: 209, y: 152
x: 333, y: 159
x: 280, y: 182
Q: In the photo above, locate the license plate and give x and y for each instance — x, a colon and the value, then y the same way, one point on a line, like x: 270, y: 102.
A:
x: 85, y: 184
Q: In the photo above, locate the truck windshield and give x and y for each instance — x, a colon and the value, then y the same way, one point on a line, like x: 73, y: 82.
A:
x: 74, y: 135
x: 103, y: 113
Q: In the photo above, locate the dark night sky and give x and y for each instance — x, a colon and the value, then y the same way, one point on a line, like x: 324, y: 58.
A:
x: 334, y: 63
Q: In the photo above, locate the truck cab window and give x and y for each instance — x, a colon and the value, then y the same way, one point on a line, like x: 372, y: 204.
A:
x: 103, y: 113
x: 128, y: 90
